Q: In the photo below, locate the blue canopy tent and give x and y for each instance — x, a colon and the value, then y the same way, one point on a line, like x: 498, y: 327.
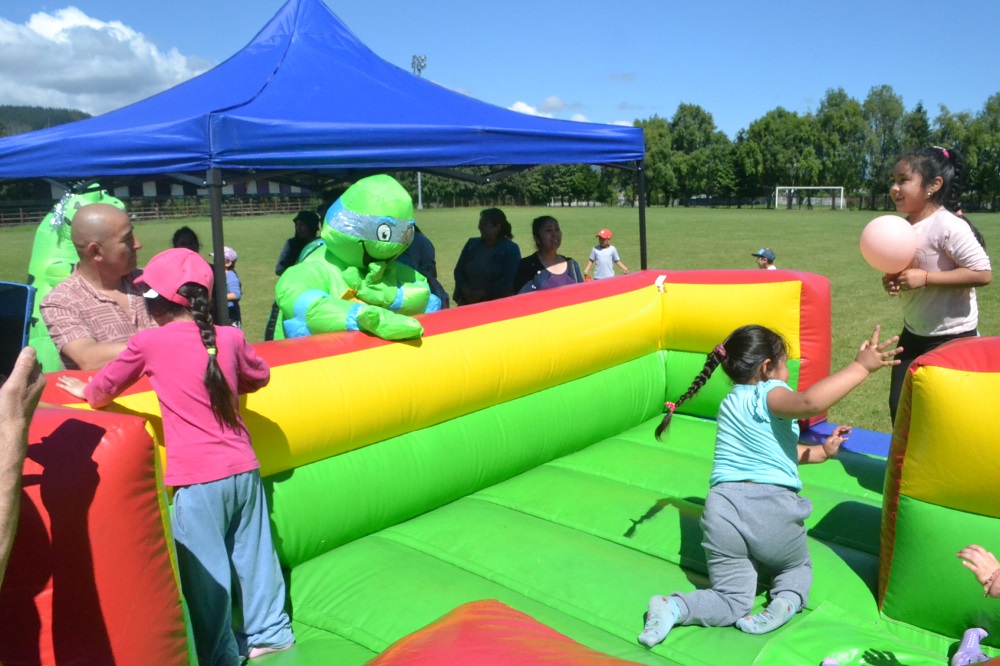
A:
x: 306, y: 96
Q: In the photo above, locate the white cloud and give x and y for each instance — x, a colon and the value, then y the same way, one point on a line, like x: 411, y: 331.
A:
x: 552, y: 104
x: 579, y: 117
x: 623, y: 123
x: 69, y: 60
x: 522, y: 107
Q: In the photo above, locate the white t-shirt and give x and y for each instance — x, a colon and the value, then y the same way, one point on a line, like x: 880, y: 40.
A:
x: 944, y: 242
x: 604, y: 259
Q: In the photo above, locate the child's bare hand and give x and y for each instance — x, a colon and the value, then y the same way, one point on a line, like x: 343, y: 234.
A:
x: 873, y: 355
x: 831, y: 445
x: 71, y: 385
x: 890, y: 282
x: 981, y: 562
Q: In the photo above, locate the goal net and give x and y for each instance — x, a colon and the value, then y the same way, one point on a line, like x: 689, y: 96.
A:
x: 809, y: 196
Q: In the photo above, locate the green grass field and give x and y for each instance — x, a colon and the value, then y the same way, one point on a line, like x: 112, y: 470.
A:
x: 820, y: 241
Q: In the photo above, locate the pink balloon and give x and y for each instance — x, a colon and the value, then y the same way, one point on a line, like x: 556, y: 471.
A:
x: 888, y: 243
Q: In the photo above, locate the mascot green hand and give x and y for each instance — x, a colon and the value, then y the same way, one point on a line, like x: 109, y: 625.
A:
x: 355, y: 284
x: 52, y: 260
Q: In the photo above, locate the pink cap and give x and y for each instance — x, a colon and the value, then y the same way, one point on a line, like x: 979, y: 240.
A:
x: 170, y: 270
x: 604, y: 233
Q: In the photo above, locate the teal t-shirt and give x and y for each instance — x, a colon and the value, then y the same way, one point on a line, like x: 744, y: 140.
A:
x: 753, y: 445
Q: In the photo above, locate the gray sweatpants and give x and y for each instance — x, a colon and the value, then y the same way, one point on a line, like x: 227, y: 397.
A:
x: 746, y: 526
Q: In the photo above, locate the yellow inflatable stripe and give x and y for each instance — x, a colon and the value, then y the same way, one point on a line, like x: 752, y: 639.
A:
x: 366, y: 396
x: 699, y: 316
x: 949, y: 457
x: 374, y: 394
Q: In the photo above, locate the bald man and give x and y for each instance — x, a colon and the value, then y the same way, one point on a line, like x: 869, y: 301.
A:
x: 92, y: 313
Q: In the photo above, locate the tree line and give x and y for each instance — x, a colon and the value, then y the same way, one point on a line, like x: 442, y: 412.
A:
x: 845, y: 142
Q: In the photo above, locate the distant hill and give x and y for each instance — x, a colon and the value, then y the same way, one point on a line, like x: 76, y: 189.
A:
x: 20, y: 119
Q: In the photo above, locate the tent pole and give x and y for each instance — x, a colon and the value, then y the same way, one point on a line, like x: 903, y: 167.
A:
x: 641, y: 187
x: 214, y: 181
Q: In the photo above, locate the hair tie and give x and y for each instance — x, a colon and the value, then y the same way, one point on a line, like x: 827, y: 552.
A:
x: 720, y: 350
x: 958, y: 212
x: 670, y: 406
x: 212, y: 351
x: 945, y: 151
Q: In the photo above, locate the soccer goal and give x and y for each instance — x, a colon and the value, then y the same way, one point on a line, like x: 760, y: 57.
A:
x: 829, y: 196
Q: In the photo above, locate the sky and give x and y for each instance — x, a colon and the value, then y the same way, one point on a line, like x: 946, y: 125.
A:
x: 599, y: 61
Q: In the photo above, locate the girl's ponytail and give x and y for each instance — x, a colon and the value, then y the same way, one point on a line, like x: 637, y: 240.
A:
x: 219, y: 392
x: 947, y: 163
x: 711, y: 363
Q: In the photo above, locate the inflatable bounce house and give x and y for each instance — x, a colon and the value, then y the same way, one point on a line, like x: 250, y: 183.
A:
x: 492, y: 493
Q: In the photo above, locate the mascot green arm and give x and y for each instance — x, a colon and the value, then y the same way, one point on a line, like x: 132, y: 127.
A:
x: 394, y: 286
x: 311, y: 297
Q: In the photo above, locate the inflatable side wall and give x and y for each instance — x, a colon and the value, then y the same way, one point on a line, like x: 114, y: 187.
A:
x: 942, y: 490
x: 91, y: 578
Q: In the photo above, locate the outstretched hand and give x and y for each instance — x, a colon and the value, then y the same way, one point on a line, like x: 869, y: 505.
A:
x: 831, y: 445
x: 71, y: 385
x: 983, y: 564
x: 873, y: 355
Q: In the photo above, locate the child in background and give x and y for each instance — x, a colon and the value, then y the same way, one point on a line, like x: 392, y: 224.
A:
x: 605, y: 256
x: 186, y: 237
x: 938, y: 290
x: 753, y: 513
x: 234, y: 288
x: 765, y: 259
x: 220, y: 519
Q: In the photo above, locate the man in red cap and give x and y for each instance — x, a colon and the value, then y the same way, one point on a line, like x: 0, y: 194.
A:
x: 605, y: 256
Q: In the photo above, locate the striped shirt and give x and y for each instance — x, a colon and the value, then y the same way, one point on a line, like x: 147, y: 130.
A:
x: 74, y: 310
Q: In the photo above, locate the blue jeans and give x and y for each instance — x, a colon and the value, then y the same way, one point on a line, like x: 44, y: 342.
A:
x: 225, y: 552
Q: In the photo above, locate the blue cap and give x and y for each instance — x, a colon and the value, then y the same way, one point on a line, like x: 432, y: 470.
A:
x: 765, y: 252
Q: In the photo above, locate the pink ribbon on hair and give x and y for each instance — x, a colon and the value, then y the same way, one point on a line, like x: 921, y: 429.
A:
x: 720, y: 350
x: 670, y: 406
x: 945, y: 151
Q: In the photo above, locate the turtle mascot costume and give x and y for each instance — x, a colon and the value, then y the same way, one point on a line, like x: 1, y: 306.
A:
x: 352, y: 282
x: 52, y: 259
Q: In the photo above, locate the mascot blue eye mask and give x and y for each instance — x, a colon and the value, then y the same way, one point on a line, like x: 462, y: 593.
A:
x: 370, y: 227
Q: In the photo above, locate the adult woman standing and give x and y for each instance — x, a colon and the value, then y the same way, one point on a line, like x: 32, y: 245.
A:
x: 546, y: 268
x: 486, y: 266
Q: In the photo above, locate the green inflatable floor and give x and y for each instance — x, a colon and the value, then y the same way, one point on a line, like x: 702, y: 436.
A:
x: 582, y: 542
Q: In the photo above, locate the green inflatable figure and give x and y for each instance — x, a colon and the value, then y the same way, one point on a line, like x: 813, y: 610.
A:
x: 353, y: 283
x: 52, y: 259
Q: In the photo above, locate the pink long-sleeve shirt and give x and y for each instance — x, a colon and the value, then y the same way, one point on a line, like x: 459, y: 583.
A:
x: 199, y: 450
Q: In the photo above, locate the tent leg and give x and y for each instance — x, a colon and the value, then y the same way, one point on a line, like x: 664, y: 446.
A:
x: 214, y: 180
x: 641, y: 188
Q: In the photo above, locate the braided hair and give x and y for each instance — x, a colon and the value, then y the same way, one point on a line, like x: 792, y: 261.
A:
x: 947, y: 163
x: 219, y: 392
x: 741, y: 357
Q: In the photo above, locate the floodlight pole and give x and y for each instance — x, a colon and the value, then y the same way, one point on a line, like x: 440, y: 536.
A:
x: 418, y: 64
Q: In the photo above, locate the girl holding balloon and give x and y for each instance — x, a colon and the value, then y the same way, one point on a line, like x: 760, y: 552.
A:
x: 937, y: 288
